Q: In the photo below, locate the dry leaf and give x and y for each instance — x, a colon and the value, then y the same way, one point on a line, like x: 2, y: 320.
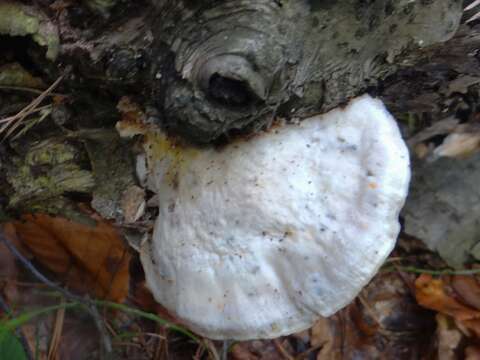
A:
x: 430, y: 293
x: 441, y: 127
x: 383, y: 323
x: 323, y: 335
x: 241, y: 352
x: 449, y: 338
x: 79, y: 338
x: 143, y: 298
x: 259, y: 350
x: 459, y: 145
x: 461, y: 84
x: 472, y: 353
x: 8, y: 266
x: 133, y: 118
x: 133, y: 203
x: 462, y: 140
x: 89, y: 258
x: 422, y: 150
x: 468, y: 289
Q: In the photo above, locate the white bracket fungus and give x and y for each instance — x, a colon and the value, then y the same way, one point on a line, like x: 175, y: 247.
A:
x: 261, y: 237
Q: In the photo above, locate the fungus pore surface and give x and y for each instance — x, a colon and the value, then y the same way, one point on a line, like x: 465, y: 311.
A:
x: 261, y: 237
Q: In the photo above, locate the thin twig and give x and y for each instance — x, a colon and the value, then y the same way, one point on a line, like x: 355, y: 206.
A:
x: 6, y: 309
x: 128, y: 343
x: 57, y: 334
x: 90, y: 306
x: 27, y: 89
x: 162, y: 351
x: 106, y: 341
x: 199, y: 352
x: 17, y: 119
x: 370, y: 311
x: 13, y: 117
x: 211, y: 349
x: 307, y: 352
x: 157, y: 336
x: 472, y: 5
x: 282, y: 350
x: 25, y: 262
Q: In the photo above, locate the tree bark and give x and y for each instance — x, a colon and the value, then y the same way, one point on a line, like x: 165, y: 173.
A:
x: 204, y: 71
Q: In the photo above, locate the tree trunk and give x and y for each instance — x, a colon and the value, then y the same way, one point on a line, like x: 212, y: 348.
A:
x: 204, y: 71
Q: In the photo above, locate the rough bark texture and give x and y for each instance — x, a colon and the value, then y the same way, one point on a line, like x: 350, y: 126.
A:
x: 241, y: 62
x: 205, y: 70
x: 211, y: 67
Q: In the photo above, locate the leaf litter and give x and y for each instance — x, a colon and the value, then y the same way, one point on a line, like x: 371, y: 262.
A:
x: 399, y: 315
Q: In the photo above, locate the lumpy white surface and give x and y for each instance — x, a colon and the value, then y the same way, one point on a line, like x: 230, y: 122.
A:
x: 260, y: 238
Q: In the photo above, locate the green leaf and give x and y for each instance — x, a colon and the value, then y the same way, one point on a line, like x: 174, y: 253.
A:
x: 10, y: 346
x: 27, y: 316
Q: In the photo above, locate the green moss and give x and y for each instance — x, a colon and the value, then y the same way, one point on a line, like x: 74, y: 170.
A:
x: 47, y: 153
x: 45, y: 173
x: 21, y: 20
x: 15, y: 75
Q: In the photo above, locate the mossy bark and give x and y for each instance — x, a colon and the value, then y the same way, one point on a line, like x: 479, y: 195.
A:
x: 205, y: 71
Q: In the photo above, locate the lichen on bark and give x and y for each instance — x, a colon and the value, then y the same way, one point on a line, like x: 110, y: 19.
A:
x: 311, y: 56
x: 17, y: 19
x: 40, y: 176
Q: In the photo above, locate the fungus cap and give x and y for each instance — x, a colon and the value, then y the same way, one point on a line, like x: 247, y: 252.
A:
x: 260, y: 238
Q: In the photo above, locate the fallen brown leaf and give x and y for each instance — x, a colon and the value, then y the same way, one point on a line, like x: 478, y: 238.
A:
x: 143, y: 298
x: 461, y: 84
x: 79, y: 338
x: 468, y: 288
x: 323, y: 336
x: 261, y: 350
x: 133, y: 203
x: 242, y: 352
x: 384, y: 322
x: 441, y: 127
x: 430, y: 293
x: 88, y: 258
x: 459, y: 145
x: 472, y: 353
x: 449, y: 337
x: 8, y: 266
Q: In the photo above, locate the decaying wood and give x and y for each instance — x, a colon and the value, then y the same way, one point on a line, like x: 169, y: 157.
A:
x: 207, y: 70
x: 213, y: 67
